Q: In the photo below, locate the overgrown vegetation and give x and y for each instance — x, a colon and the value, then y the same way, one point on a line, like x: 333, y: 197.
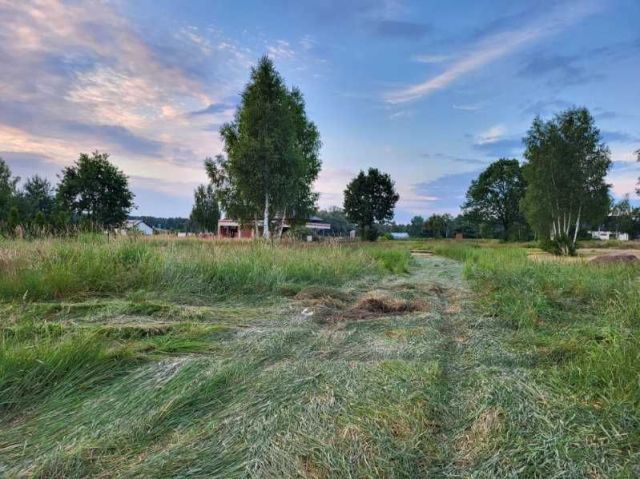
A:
x: 316, y: 361
x: 91, y: 265
x: 572, y: 330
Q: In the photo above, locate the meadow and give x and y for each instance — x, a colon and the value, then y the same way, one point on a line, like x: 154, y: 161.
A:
x: 189, y: 358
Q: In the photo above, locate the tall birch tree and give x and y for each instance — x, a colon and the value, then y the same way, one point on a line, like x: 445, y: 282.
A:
x: 565, y: 169
x: 272, y: 150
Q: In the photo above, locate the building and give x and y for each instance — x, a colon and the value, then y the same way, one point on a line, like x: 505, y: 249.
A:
x: 136, y: 227
x: 609, y: 235
x: 229, y: 228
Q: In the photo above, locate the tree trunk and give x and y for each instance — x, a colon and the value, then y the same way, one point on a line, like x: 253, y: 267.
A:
x: 265, y: 224
x: 575, y: 233
x: 284, y: 213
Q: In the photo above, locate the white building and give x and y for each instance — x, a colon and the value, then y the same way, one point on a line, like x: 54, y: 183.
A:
x: 609, y: 235
x: 137, y: 227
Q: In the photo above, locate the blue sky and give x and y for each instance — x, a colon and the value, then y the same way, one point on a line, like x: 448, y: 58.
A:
x: 429, y: 91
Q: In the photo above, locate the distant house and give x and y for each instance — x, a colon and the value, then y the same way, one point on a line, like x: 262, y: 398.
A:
x: 230, y: 228
x: 609, y: 235
x: 400, y: 235
x: 137, y: 227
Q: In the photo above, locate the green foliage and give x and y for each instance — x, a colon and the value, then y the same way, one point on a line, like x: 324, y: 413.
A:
x: 416, y: 227
x: 369, y: 198
x: 38, y: 196
x: 13, y: 220
x: 340, y: 224
x: 495, y: 196
x: 565, y: 169
x: 92, y: 266
x: 438, y: 226
x: 95, y: 191
x: 560, y: 245
x: 272, y: 152
x: 7, y: 191
x: 205, y: 213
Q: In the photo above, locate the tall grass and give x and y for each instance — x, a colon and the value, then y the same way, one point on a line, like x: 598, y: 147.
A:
x: 93, y: 266
x: 592, y: 310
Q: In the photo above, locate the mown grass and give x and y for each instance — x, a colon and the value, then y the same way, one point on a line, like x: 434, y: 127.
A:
x: 155, y: 365
x: 571, y: 331
x: 107, y: 382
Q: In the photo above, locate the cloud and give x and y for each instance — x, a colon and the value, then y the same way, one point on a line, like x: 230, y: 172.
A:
x: 100, y: 83
x: 429, y: 59
x: 492, y: 48
x: 450, y: 191
x: 492, y: 135
x: 213, y: 108
x: 281, y: 50
x: 545, y: 107
x: 399, y: 29
x: 624, y: 178
x: 469, y: 107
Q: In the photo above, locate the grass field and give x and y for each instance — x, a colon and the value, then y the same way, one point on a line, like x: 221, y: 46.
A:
x: 169, y: 358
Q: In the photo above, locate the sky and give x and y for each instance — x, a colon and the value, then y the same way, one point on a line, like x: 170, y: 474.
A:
x: 430, y: 92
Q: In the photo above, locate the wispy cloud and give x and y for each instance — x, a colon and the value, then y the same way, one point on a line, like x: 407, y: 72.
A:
x: 494, y: 47
x: 428, y: 59
x: 469, y: 107
x: 281, y: 50
x: 89, y: 80
x: 491, y: 135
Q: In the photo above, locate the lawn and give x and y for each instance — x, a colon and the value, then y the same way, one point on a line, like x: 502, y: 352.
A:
x: 190, y: 358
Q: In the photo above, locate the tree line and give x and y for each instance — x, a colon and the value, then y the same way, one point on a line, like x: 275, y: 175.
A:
x: 91, y: 194
x: 557, y: 192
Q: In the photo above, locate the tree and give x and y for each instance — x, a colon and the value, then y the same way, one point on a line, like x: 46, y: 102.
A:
x: 495, y: 196
x: 416, y: 227
x: 95, y: 190
x: 37, y: 196
x: 340, y: 224
x: 369, y: 198
x: 13, y: 219
x: 566, y: 164
x: 622, y: 215
x: 438, y: 226
x: 272, y: 152
x: 7, y: 191
x: 205, y: 213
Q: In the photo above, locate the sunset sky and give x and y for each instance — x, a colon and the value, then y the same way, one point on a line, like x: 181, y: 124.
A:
x: 428, y: 91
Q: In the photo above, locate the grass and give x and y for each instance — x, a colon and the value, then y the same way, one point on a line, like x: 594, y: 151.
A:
x: 204, y: 270
x: 160, y: 358
x: 572, y: 333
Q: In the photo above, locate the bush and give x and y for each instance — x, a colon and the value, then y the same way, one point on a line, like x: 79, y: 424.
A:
x: 562, y: 246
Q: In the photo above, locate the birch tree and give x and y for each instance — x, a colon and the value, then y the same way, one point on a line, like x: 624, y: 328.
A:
x: 565, y: 169
x: 272, y: 149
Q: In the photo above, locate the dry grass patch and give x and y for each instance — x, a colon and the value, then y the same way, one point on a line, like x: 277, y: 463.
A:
x: 478, y: 437
x: 371, y: 307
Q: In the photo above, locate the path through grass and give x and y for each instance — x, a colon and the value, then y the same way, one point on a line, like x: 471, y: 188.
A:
x: 403, y: 375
